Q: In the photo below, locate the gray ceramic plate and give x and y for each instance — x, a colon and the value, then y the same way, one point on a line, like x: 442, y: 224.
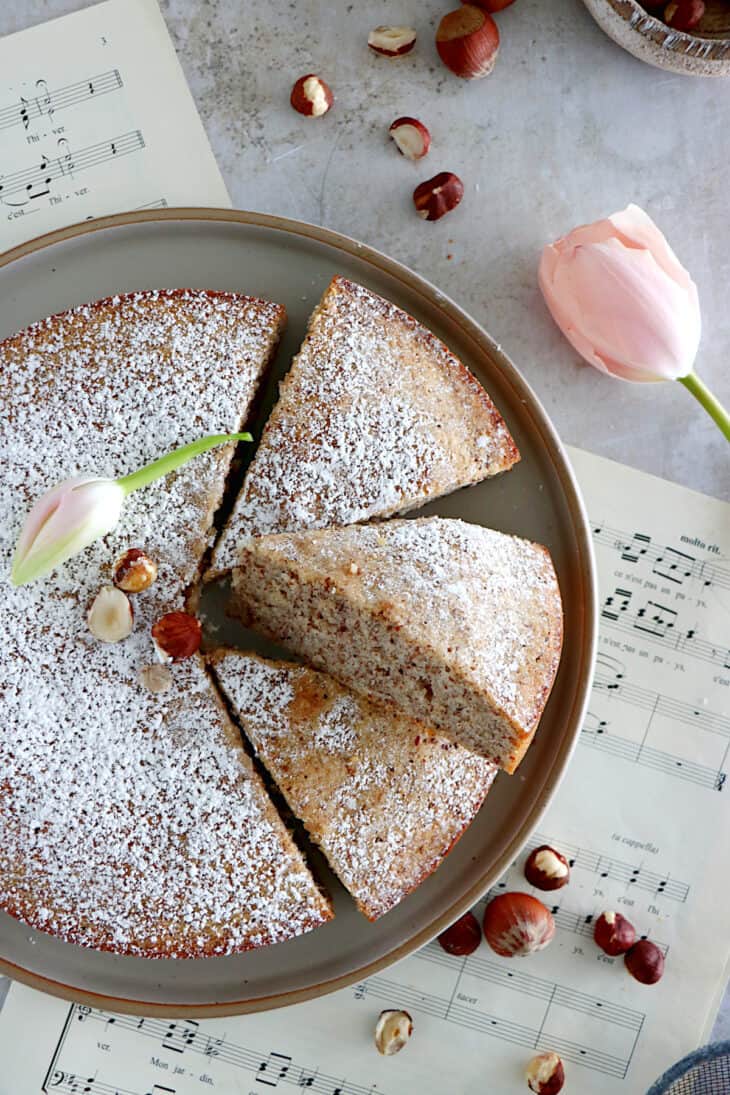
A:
x: 292, y: 263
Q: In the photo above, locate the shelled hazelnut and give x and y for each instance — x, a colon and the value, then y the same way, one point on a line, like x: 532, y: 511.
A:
x: 613, y: 933
x: 437, y: 196
x: 463, y: 937
x: 111, y: 616
x: 134, y: 571
x: 545, y: 1074
x: 311, y: 96
x: 547, y: 869
x: 392, y: 1031
x: 645, y: 962
x: 176, y: 635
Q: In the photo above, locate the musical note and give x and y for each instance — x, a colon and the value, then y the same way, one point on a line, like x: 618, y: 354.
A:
x: 675, y: 565
x: 47, y: 103
x: 274, y: 1068
x: 658, y: 623
x: 180, y: 1037
x: 269, y: 1070
x: 615, y: 604
x: 65, y: 157
x: 30, y: 180
x: 44, y: 100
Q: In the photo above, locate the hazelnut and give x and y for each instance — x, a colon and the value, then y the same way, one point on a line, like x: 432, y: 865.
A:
x: 392, y: 41
x: 438, y: 195
x: 467, y: 41
x: 463, y: 937
x: 176, y: 635
x: 392, y: 1031
x: 111, y: 616
x: 156, y: 678
x: 613, y: 933
x: 545, y: 1074
x: 134, y: 571
x: 683, y: 14
x: 645, y: 962
x: 311, y: 96
x: 490, y: 5
x: 517, y: 924
x: 411, y: 137
x: 547, y: 869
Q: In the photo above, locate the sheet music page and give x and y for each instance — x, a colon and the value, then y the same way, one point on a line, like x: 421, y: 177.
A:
x: 643, y: 817
x: 96, y: 118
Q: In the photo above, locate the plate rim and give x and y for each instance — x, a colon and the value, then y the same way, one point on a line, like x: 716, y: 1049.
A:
x: 588, y: 616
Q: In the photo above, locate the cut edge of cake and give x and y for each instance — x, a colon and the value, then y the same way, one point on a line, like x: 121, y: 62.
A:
x: 457, y: 625
x: 376, y: 417
x: 383, y: 796
x: 130, y: 359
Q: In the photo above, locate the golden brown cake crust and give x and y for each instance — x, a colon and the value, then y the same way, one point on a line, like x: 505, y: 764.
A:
x: 458, y: 625
x: 131, y: 821
x: 385, y: 797
x: 375, y: 417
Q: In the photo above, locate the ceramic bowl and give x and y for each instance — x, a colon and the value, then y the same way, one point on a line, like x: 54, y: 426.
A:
x: 704, y: 52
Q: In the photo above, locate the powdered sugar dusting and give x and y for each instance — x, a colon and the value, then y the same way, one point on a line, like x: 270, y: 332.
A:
x: 375, y: 417
x: 485, y: 605
x: 383, y: 796
x: 132, y: 822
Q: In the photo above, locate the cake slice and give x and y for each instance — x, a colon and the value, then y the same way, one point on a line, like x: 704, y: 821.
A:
x: 375, y: 417
x: 457, y: 625
x: 132, y: 821
x: 383, y: 796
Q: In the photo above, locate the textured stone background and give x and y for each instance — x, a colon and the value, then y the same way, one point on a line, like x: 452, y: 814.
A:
x: 567, y: 129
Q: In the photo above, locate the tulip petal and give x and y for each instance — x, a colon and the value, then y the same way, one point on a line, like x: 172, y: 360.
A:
x: 633, y: 312
x: 635, y: 228
x: 63, y: 522
x: 620, y: 309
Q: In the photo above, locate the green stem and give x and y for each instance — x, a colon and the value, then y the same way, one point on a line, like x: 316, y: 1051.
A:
x: 176, y: 459
x: 704, y: 396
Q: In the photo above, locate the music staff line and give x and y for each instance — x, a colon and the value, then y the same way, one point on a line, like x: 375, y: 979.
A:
x: 611, y: 679
x: 616, y: 869
x: 47, y: 103
x: 449, y: 1009
x: 599, y: 737
x: 71, y: 1083
x: 610, y: 682
x: 668, y: 563
x: 269, y: 1070
x: 35, y: 182
x: 657, y: 623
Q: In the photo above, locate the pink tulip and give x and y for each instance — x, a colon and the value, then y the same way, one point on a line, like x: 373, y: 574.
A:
x: 622, y: 298
x: 79, y: 511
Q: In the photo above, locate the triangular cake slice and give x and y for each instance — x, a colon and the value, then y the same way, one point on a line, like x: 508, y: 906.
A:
x: 457, y: 625
x: 384, y: 797
x: 375, y: 417
x: 132, y: 821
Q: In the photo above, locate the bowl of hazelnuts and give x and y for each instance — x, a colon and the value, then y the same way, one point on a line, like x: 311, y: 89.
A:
x: 687, y: 36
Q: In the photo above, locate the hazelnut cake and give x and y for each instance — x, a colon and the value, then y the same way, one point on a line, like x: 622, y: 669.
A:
x: 131, y: 819
x: 375, y: 417
x: 457, y: 625
x: 383, y: 796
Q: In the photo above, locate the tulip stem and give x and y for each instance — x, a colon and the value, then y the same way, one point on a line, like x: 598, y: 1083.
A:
x: 704, y: 396
x: 176, y: 459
